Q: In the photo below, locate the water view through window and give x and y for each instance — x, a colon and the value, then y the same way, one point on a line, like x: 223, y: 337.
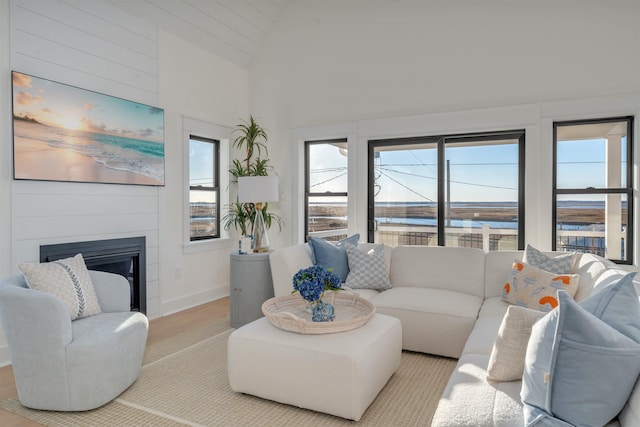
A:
x: 593, y: 187
x: 326, y: 188
x: 204, y: 206
x: 458, y: 191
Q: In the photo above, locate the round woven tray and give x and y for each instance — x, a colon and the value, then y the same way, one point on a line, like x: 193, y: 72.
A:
x: 289, y: 313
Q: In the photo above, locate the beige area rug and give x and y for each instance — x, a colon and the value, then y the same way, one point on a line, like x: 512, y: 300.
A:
x: 184, y: 382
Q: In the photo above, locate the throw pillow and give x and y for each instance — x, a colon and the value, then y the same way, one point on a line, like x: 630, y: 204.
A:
x: 560, y: 264
x: 332, y: 256
x: 506, y: 362
x: 617, y: 305
x: 578, y: 370
x: 69, y: 280
x: 531, y: 287
x: 367, y: 270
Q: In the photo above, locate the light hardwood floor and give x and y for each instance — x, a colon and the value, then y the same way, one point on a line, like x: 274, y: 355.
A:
x: 159, y: 330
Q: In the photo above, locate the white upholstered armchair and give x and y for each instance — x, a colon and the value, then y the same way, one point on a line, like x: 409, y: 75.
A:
x: 66, y: 365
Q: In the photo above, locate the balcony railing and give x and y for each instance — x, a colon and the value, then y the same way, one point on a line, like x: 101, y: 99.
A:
x: 485, y: 238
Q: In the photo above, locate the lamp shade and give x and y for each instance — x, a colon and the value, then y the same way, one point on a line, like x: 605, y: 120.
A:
x: 253, y: 189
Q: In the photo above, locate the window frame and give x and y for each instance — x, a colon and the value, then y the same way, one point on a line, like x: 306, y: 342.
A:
x: 441, y: 142
x: 215, y: 188
x: 627, y: 190
x: 307, y: 170
x: 193, y: 126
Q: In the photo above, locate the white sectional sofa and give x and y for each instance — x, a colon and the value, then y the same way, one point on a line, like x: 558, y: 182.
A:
x: 449, y: 301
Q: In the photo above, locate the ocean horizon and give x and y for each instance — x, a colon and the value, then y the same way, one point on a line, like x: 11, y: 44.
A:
x: 137, y: 156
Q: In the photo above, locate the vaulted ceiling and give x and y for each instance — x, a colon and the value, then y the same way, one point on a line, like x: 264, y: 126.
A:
x: 232, y: 29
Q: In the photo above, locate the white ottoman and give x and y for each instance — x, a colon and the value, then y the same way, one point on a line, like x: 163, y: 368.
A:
x: 339, y: 374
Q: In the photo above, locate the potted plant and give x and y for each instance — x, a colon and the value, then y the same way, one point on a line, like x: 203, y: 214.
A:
x: 252, y: 138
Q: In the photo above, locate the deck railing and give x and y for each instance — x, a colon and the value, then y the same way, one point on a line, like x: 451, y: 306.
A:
x: 485, y: 238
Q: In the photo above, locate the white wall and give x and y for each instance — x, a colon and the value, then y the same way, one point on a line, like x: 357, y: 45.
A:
x: 196, y: 85
x: 5, y: 144
x: 91, y: 46
x: 398, y: 68
x: 97, y: 46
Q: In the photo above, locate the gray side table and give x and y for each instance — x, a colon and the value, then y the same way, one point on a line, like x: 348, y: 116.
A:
x: 250, y: 285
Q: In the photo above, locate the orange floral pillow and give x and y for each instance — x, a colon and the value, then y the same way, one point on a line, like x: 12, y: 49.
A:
x: 530, y: 287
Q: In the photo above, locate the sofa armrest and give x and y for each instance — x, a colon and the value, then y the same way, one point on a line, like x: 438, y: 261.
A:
x: 33, y: 320
x: 113, y: 291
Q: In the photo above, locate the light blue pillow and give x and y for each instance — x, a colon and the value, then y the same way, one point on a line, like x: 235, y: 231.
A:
x: 560, y: 264
x: 618, y: 306
x: 332, y: 256
x: 578, y: 369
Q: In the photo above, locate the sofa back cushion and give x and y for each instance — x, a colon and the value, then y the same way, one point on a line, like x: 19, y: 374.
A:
x: 286, y: 262
x: 454, y: 269
x: 497, y: 268
x: 589, y: 267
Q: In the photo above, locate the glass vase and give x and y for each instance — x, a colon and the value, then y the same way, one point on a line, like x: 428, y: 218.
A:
x: 322, y: 312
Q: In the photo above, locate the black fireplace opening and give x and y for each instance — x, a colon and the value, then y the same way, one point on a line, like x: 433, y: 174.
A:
x: 126, y: 257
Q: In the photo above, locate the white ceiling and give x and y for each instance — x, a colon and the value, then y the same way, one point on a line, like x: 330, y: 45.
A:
x: 232, y: 29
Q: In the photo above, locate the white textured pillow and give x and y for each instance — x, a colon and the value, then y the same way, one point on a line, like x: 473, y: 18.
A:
x: 67, y: 279
x: 510, y: 347
x: 367, y: 270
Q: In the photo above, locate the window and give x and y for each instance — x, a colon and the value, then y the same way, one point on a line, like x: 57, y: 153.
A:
x: 204, y: 194
x: 456, y: 190
x: 326, y: 189
x: 593, y: 187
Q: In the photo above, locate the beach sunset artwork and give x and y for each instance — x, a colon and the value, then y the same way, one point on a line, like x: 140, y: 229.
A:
x: 64, y: 133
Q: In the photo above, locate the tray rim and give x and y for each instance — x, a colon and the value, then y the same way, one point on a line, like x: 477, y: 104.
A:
x: 275, y: 308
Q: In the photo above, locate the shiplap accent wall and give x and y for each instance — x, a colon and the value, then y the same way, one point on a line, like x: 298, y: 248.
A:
x: 95, y: 46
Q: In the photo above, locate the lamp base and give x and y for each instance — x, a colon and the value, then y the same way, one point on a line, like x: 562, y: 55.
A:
x: 260, y: 237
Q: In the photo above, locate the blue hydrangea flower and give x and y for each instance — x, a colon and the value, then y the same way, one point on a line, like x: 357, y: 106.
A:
x: 311, y: 282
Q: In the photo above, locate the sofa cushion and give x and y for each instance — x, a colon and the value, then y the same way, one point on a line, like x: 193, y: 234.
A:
x: 469, y: 400
x: 367, y: 269
x: 69, y: 280
x: 494, y: 307
x: 590, y: 267
x: 435, y: 321
x: 482, y: 336
x: 284, y: 263
x: 506, y: 362
x: 630, y: 415
x: 559, y: 264
x: 332, y: 256
x: 497, y: 266
x: 454, y: 269
x: 570, y: 352
x: 534, y: 288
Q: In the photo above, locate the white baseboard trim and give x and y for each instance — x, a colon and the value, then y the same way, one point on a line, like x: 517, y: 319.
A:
x: 189, y: 301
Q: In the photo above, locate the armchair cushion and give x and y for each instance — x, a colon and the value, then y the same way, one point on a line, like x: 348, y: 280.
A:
x: 69, y: 280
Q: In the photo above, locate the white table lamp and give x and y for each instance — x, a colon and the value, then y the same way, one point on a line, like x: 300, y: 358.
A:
x: 258, y: 189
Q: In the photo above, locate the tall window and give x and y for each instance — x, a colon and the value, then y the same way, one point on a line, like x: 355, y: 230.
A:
x: 204, y: 194
x: 593, y: 187
x: 455, y: 190
x: 326, y: 189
